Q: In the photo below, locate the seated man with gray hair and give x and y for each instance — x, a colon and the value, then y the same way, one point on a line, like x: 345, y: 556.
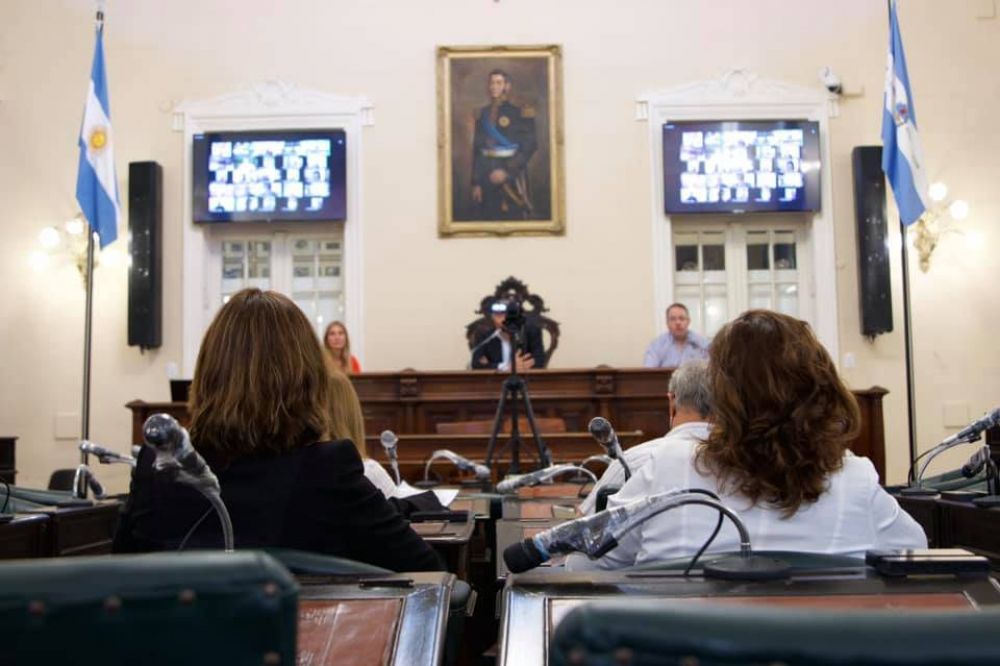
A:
x: 689, y: 398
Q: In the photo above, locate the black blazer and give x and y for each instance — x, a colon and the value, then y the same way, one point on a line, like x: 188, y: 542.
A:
x: 490, y: 355
x: 315, y: 498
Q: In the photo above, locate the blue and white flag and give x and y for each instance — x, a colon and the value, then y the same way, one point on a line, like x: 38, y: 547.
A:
x: 96, y: 185
x: 902, y: 158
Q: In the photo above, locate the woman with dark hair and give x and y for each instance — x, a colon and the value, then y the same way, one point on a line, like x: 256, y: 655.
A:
x: 260, y: 416
x: 337, y: 345
x: 777, y: 455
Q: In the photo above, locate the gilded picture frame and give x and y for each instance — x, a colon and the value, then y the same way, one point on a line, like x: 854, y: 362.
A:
x: 500, y: 141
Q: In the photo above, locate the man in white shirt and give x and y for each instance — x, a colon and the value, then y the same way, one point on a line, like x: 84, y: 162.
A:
x: 689, y: 399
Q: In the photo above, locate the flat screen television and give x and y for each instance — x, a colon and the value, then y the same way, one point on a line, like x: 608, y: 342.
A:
x: 741, y: 166
x: 270, y: 176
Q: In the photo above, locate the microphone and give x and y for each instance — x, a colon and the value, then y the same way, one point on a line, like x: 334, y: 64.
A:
x: 539, y: 476
x: 601, y: 430
x: 971, y: 432
x: 464, y: 464
x: 599, y: 534
x: 389, y: 442
x: 106, y: 456
x: 84, y: 479
x: 976, y: 463
x: 598, y: 457
x: 472, y: 354
x: 174, y: 453
x: 176, y: 458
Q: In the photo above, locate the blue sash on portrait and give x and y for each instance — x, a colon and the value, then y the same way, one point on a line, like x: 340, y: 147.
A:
x: 493, y: 133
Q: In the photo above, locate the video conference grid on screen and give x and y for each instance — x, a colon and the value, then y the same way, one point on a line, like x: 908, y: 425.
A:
x: 735, y: 166
x: 268, y: 175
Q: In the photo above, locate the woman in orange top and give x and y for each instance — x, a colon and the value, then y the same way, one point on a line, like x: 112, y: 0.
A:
x: 337, y: 344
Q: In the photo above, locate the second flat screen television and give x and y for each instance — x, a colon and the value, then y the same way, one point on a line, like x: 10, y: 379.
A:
x: 270, y: 176
x: 741, y: 166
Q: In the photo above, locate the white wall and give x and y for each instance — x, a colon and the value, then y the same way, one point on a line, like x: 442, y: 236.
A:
x: 420, y: 290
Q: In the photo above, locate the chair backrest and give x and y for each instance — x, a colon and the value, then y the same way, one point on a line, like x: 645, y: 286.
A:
x: 534, y: 307
x: 545, y: 425
x: 654, y: 631
x: 160, y: 608
x: 62, y: 479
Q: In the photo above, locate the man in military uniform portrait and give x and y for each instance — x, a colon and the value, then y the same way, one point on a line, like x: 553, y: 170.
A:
x: 499, y: 154
x: 503, y: 143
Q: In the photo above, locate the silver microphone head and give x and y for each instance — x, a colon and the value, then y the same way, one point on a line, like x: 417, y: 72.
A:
x: 388, y: 439
x: 601, y: 430
x: 163, y: 432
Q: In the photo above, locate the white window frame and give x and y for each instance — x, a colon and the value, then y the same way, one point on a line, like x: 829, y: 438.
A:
x: 734, y: 231
x: 267, y: 106
x: 742, y: 95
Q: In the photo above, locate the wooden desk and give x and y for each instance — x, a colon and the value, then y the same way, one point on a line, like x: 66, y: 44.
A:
x: 951, y: 524
x: 633, y: 399
x: 25, y: 536
x: 535, y: 602
x: 55, y: 531
x: 451, y: 540
x: 395, y: 619
x: 512, y: 531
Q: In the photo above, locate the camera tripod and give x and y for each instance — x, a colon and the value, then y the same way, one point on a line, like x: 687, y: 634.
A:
x: 515, y: 390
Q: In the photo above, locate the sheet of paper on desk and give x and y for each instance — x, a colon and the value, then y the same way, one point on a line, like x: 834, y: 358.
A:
x: 445, y: 495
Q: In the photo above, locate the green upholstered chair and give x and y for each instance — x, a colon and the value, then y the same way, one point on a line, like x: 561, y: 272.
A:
x: 640, y: 632
x: 159, y: 608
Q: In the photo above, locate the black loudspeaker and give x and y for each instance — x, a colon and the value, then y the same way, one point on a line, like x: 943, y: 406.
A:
x: 874, y: 286
x: 145, y: 223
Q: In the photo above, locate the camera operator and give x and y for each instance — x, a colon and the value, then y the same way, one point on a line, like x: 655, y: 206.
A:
x: 514, y: 337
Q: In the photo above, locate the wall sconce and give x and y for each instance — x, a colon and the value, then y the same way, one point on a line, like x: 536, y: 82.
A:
x: 69, y: 241
x: 937, y: 220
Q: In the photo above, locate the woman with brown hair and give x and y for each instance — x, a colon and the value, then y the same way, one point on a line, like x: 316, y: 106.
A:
x: 337, y: 345
x: 777, y: 454
x: 260, y: 416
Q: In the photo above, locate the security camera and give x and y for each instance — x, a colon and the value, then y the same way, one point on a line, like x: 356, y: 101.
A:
x: 831, y: 80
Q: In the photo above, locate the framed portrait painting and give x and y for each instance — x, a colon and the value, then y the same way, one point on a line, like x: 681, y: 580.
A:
x: 500, y: 140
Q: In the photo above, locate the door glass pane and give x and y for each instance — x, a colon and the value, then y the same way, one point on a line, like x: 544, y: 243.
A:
x: 758, y: 251
x: 245, y: 263
x: 788, y: 299
x: 318, y: 279
x: 784, y: 251
x: 760, y: 297
x: 716, y: 309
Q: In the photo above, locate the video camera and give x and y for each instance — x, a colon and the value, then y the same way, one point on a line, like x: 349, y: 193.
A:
x: 514, y: 314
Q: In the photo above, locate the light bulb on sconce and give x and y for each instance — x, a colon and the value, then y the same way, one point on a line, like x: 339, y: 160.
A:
x: 939, y: 219
x: 68, y: 240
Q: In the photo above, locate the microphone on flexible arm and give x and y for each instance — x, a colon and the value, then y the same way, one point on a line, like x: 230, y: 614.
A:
x: 472, y: 354
x: 970, y: 433
x: 176, y: 458
x: 83, y: 480
x: 482, y: 472
x: 598, y: 534
x: 389, y: 442
x: 601, y: 430
x: 540, y: 476
x: 106, y: 456
x: 597, y: 457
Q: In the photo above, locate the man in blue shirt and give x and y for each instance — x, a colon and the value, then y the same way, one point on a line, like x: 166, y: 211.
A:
x: 678, y: 344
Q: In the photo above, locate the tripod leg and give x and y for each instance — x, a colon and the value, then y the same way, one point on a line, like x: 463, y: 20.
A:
x: 544, y: 457
x: 497, y: 421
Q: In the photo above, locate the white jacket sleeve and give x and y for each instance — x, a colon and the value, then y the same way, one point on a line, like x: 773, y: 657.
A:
x: 893, y: 527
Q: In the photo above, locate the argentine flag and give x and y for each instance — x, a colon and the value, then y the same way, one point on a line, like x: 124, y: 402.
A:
x: 96, y: 185
x: 902, y: 158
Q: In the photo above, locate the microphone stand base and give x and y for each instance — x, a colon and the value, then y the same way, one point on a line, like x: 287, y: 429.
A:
x: 987, y: 501
x: 747, y: 568
x: 426, y: 484
x: 918, y: 492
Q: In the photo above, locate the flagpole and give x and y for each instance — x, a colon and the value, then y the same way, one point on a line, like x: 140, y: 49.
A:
x: 88, y: 318
x: 908, y: 343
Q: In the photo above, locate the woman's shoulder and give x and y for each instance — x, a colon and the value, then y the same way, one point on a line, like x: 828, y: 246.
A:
x: 340, y: 453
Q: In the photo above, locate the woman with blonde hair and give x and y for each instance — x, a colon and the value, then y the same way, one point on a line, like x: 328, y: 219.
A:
x: 260, y: 416
x: 777, y: 454
x: 337, y: 344
x: 348, y: 422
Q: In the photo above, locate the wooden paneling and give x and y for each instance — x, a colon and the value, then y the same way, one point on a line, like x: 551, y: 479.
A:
x: 413, y: 403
